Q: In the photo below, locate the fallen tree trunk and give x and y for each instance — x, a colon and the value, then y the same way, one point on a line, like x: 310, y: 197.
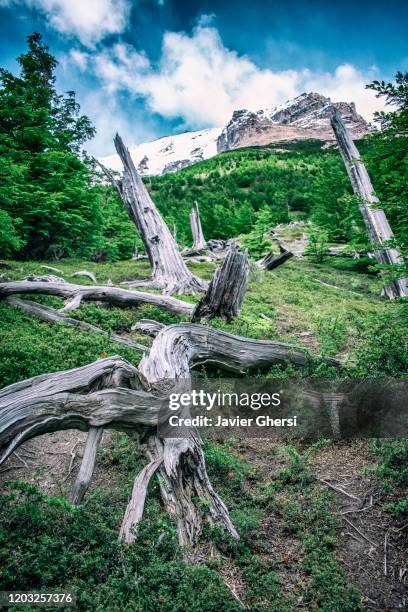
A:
x: 111, y: 393
x: 169, y: 272
x: 226, y: 290
x: 271, y: 260
x: 378, y: 228
x: 199, y: 243
x: 50, y: 315
x: 223, y: 298
x: 112, y: 295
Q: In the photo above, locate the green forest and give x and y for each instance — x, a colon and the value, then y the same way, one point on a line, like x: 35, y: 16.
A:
x: 59, y: 215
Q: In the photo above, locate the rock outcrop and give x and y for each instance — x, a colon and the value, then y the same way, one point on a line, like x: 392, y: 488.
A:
x: 304, y: 117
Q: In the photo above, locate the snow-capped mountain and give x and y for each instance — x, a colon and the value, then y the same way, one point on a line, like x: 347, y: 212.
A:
x: 306, y: 116
x: 170, y: 153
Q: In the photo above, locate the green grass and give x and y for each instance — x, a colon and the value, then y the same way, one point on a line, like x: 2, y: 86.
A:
x: 49, y: 545
x: 352, y: 323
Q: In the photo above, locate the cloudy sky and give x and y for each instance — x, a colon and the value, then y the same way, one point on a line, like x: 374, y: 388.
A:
x: 148, y: 68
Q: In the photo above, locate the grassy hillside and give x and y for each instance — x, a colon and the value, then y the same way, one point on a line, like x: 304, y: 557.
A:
x: 291, y: 550
x: 291, y: 180
x: 343, y: 317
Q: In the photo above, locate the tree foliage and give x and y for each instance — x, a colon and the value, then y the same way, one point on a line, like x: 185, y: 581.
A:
x: 49, y: 201
x: 387, y: 155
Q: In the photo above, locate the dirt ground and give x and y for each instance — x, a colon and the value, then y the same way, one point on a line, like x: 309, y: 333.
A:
x: 370, y: 541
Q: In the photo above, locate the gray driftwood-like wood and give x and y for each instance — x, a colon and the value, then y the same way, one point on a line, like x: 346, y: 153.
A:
x: 84, y: 476
x: 50, y: 315
x: 86, y: 274
x: 271, y: 260
x: 111, y: 393
x: 378, y: 228
x: 199, y: 243
x: 148, y: 327
x: 226, y: 290
x: 135, y: 507
x: 169, y: 271
x: 112, y: 295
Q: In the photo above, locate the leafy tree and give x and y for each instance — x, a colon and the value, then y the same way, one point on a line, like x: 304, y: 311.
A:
x: 46, y: 187
x: 387, y: 155
x: 9, y: 239
x: 118, y: 236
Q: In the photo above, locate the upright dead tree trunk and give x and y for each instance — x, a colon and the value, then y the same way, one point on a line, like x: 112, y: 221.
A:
x: 169, y: 272
x: 376, y: 222
x: 199, y: 243
x: 227, y: 289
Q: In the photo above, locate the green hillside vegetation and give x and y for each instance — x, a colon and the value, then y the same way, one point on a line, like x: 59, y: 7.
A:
x: 53, y: 203
x: 236, y: 188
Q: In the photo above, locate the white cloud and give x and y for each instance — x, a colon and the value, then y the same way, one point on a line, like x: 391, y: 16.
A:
x: 198, y: 79
x: 88, y: 20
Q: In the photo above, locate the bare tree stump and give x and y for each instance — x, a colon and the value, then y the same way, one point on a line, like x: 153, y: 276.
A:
x: 271, y: 261
x: 227, y: 289
x: 378, y: 228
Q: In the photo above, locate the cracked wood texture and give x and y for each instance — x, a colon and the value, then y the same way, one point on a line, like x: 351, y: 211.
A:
x: 169, y: 271
x: 112, y: 295
x: 227, y: 288
x: 378, y: 228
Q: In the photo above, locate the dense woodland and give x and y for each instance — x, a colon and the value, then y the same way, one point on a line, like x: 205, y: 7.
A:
x: 57, y: 209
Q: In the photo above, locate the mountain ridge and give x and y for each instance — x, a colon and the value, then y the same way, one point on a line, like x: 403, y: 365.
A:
x: 305, y: 117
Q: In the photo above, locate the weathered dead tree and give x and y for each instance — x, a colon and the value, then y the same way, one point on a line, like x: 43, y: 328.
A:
x: 169, y: 272
x: 227, y: 289
x: 378, y: 228
x: 111, y: 393
x: 223, y: 298
x: 86, y: 274
x: 50, y: 315
x: 75, y: 294
x: 199, y: 243
x: 271, y: 260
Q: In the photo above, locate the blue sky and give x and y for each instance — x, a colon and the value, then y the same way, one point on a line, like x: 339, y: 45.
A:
x: 148, y: 68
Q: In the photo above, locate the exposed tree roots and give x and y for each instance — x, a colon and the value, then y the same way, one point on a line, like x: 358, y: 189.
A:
x: 111, y: 393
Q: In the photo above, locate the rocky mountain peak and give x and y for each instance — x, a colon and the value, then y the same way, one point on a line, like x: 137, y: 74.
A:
x: 306, y: 116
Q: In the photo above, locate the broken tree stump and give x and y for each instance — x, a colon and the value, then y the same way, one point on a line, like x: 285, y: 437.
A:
x: 226, y: 290
x: 271, y: 260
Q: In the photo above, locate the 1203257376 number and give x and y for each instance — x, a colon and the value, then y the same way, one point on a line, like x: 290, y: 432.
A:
x: 9, y: 599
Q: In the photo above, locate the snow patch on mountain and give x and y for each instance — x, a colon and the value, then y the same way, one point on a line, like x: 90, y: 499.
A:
x: 306, y: 116
x: 170, y: 153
